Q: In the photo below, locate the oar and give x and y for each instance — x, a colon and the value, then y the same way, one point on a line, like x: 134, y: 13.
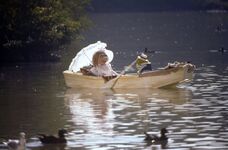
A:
x: 111, y: 83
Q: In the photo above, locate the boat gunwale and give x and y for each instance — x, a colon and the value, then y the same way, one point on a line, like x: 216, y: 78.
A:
x: 143, y: 75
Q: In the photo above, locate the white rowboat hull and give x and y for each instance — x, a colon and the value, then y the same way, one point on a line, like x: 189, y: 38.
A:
x: 154, y: 79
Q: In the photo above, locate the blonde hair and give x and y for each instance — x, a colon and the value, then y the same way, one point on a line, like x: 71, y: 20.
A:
x: 96, y: 57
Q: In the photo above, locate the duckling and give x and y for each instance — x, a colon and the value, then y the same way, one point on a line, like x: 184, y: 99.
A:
x: 16, y: 144
x: 155, y: 139
x: 50, y: 139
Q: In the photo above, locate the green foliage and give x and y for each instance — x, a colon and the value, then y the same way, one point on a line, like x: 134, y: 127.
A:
x: 44, y: 22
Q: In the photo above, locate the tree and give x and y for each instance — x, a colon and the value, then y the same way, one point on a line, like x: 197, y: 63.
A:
x: 46, y: 23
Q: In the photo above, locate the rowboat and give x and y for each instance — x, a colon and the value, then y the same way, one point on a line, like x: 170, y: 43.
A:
x: 170, y: 75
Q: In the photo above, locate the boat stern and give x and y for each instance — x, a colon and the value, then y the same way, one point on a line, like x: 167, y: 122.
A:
x: 188, y: 71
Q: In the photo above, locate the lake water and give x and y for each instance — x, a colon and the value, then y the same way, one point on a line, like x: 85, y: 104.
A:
x: 34, y: 99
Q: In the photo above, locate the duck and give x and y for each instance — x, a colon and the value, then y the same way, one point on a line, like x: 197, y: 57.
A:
x: 222, y: 50
x: 16, y: 144
x: 156, y: 139
x: 148, y: 51
x: 51, y: 139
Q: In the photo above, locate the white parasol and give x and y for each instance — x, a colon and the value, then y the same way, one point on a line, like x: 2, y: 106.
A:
x: 84, y: 56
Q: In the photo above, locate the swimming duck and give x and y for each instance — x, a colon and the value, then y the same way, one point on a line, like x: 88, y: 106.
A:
x: 148, y: 51
x: 16, y: 144
x: 222, y: 50
x: 51, y: 139
x: 156, y: 139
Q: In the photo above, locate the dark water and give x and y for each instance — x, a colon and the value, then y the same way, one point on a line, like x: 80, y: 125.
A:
x: 34, y: 99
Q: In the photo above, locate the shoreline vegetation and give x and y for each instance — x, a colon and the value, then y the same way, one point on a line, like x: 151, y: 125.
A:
x: 34, y: 30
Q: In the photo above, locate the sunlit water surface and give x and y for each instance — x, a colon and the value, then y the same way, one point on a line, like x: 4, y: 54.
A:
x: 34, y: 99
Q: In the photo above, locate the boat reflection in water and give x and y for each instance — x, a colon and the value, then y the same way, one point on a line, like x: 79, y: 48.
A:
x: 104, y: 117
